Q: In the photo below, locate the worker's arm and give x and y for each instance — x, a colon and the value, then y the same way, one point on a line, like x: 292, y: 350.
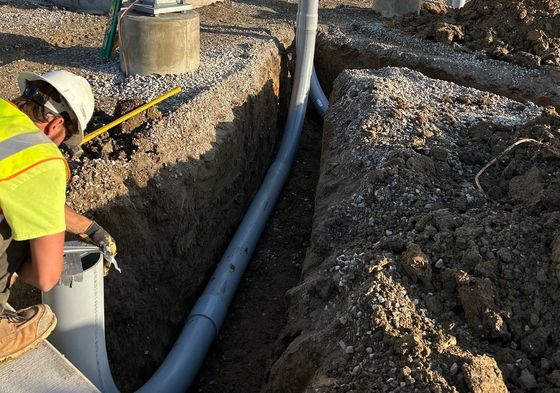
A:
x: 91, y: 231
x: 45, y: 266
x: 75, y: 222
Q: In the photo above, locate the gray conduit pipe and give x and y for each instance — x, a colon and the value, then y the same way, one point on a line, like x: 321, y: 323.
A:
x: 320, y: 101
x: 78, y: 304
x: 183, y: 362
x: 185, y: 358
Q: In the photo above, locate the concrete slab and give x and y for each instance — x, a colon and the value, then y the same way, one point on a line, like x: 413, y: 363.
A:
x: 43, y: 370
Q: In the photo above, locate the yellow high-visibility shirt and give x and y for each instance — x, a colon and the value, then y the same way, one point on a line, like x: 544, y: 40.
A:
x: 32, y: 180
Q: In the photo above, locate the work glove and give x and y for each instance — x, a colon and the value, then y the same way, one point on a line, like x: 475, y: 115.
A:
x: 95, y: 234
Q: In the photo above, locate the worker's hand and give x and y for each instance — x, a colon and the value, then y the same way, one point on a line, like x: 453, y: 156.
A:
x: 100, y: 237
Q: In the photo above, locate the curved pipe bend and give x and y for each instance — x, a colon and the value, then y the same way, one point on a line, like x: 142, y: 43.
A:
x: 319, y: 99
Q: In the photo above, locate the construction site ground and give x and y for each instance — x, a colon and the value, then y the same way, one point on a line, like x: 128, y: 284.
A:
x: 407, y: 278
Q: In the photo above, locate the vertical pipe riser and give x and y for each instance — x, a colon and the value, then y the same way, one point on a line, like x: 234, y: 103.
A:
x: 80, y: 332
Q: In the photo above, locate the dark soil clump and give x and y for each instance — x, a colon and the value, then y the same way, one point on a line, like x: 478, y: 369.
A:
x: 120, y: 141
x: 524, y: 32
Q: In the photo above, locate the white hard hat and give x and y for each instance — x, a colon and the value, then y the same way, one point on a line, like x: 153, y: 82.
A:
x: 76, y: 92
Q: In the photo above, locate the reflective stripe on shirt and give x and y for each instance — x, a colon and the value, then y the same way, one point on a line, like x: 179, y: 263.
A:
x: 21, y: 142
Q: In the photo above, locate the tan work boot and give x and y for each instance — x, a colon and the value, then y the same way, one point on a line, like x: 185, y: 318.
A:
x: 23, y: 330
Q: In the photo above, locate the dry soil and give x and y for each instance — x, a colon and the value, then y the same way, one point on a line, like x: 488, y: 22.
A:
x: 525, y: 32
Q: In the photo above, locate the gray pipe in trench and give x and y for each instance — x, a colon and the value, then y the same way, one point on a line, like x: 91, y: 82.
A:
x: 319, y: 99
x: 183, y: 362
x: 185, y: 358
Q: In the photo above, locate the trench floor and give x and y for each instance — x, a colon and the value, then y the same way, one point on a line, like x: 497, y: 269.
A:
x: 249, y: 340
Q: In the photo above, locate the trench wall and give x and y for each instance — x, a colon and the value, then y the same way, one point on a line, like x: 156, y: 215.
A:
x: 373, y: 46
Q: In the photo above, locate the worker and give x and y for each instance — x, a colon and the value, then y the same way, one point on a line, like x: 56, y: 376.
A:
x: 53, y: 108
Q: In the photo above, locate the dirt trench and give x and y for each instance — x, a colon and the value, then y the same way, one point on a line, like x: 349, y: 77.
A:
x: 247, y: 345
x: 165, y: 236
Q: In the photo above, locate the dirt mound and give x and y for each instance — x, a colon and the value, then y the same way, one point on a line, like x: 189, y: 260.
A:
x: 525, y: 32
x: 415, y: 281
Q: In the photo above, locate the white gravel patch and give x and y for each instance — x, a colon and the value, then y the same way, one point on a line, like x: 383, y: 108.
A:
x: 388, y: 119
x: 225, y: 50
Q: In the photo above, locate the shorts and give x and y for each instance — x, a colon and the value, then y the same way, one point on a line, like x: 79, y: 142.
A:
x: 13, y: 254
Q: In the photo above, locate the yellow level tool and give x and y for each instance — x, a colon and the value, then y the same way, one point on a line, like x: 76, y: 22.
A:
x: 136, y: 111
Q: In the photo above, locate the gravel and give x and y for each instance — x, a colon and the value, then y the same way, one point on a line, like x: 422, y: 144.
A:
x: 225, y: 50
x: 429, y: 115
